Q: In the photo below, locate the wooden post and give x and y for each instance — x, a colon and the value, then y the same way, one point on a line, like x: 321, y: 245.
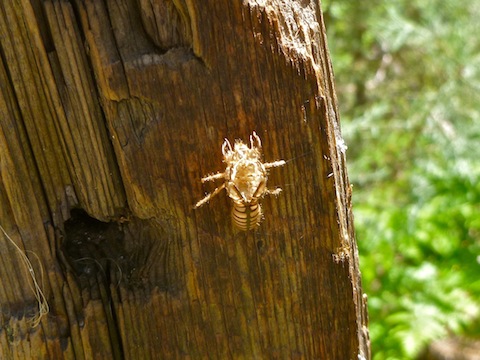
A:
x: 110, y: 114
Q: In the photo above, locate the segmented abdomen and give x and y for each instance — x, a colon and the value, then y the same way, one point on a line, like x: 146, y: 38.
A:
x: 246, y: 216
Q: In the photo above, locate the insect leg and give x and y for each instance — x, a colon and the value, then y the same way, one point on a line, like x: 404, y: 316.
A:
x: 274, y: 164
x: 260, y: 189
x: 213, y: 177
x: 273, y: 192
x: 209, y: 196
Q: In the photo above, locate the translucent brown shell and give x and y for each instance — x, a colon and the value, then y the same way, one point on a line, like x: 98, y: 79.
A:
x: 245, y: 181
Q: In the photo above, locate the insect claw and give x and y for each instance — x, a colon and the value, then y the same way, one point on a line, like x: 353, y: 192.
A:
x: 257, y: 138
x: 226, y: 144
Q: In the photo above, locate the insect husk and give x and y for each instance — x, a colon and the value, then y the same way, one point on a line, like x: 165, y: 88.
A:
x: 245, y: 181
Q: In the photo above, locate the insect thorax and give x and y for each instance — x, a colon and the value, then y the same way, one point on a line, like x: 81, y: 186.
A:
x: 245, y: 180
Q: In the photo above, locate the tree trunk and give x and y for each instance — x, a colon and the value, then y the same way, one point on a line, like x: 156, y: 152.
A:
x: 111, y: 113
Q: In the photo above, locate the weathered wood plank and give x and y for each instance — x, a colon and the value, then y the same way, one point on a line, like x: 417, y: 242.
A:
x: 43, y: 174
x: 210, y: 93
x: 96, y: 178
x: 172, y: 79
x: 30, y: 76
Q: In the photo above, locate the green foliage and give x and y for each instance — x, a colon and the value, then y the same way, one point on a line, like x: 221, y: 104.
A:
x: 408, y: 80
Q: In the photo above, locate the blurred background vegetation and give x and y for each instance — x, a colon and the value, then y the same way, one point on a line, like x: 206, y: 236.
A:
x: 408, y: 82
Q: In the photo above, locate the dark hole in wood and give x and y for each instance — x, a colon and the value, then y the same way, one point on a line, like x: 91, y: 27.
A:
x: 94, y: 249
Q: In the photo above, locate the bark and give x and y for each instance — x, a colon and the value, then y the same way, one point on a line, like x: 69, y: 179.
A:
x: 111, y: 112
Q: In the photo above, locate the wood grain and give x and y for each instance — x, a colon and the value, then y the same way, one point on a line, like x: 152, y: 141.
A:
x: 118, y: 108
